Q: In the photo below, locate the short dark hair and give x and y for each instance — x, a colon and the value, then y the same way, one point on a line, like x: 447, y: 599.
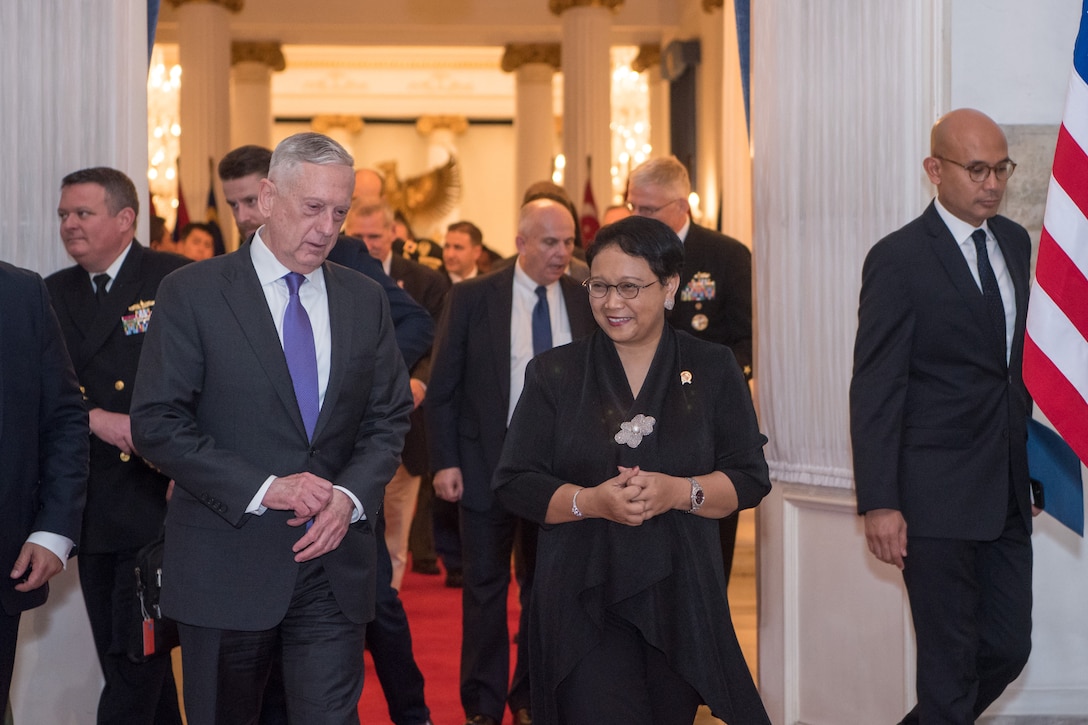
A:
x: 473, y: 232
x: 645, y: 238
x: 158, y: 227
x: 243, y: 161
x: 120, y: 191
x: 188, y: 228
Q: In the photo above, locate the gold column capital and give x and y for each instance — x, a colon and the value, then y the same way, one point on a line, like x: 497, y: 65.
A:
x: 516, y: 55
x: 649, y: 56
x: 426, y: 125
x: 710, y: 6
x: 269, y: 53
x: 326, y: 122
x: 558, y: 7
x: 235, y: 6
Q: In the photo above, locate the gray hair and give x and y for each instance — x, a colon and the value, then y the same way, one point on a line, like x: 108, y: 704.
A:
x: 389, y: 215
x: 306, y: 148
x: 666, y: 172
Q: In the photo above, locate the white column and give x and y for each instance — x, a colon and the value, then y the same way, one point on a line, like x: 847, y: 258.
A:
x: 251, y: 117
x: 204, y: 52
x: 708, y: 122
x: 736, y: 156
x: 534, y: 117
x: 587, y: 79
x: 343, y: 129
x: 648, y: 61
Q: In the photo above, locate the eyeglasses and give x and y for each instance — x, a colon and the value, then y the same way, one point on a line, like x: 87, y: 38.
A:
x: 979, y: 171
x: 647, y: 210
x: 626, y: 290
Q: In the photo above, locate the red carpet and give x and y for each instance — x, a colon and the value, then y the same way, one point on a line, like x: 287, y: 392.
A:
x: 434, y: 614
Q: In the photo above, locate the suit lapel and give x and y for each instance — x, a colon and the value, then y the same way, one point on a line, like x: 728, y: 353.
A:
x: 342, y: 327
x: 946, y: 249
x: 578, y: 312
x: 499, y: 309
x: 245, y: 298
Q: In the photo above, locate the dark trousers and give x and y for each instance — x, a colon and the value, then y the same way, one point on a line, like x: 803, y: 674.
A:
x: 135, y: 692
x: 446, y: 519
x: 421, y: 535
x: 487, y: 540
x: 971, y: 604
x: 389, y: 640
x: 625, y: 681
x: 9, y: 632
x: 322, y: 654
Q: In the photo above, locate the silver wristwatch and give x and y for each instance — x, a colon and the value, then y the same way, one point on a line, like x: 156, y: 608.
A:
x: 697, y: 495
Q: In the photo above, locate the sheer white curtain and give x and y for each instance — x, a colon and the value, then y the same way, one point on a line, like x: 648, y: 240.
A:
x: 842, y: 100
x: 74, y: 80
x: 73, y: 76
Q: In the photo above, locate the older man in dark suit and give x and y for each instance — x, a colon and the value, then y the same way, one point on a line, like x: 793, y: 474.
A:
x: 938, y: 414
x: 44, y: 450
x: 273, y: 392
x: 104, y: 304
x: 492, y: 327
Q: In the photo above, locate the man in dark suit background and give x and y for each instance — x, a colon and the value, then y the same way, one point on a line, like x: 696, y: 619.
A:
x: 373, y: 223
x: 104, y: 304
x: 938, y: 414
x: 44, y: 448
x: 484, y: 342
x: 715, y: 298
x: 273, y: 392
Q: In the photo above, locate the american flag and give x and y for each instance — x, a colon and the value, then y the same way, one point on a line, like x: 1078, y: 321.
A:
x: 1056, y: 346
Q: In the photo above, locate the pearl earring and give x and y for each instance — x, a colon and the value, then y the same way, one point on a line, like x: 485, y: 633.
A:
x: 669, y: 303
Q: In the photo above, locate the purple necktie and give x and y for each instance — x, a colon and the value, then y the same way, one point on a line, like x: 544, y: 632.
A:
x: 301, y: 353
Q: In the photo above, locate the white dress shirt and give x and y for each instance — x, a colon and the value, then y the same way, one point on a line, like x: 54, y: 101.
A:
x: 315, y: 301
x: 521, y: 328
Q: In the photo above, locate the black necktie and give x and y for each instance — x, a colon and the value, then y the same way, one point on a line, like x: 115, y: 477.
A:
x: 542, y: 322
x: 100, y: 282
x: 990, y: 291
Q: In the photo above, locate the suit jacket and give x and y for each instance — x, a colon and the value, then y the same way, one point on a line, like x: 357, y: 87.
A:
x: 413, y: 326
x: 43, y: 429
x: 428, y: 288
x: 126, y: 498
x: 715, y: 297
x: 937, y: 417
x: 215, y: 409
x: 469, y: 395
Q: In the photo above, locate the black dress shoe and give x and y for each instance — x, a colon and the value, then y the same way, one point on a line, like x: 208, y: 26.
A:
x: 424, y: 566
x: 522, y: 717
x: 481, y: 720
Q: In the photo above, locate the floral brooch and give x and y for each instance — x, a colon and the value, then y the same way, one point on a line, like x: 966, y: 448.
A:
x: 632, y: 431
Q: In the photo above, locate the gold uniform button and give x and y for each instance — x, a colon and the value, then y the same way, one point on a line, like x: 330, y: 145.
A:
x: 125, y: 457
x: 119, y: 385
x: 82, y: 390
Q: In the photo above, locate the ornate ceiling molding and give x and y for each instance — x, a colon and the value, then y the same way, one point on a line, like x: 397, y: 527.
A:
x: 558, y: 7
x: 649, y: 56
x: 235, y: 6
x: 426, y: 125
x: 269, y: 53
x: 516, y: 55
x: 326, y: 122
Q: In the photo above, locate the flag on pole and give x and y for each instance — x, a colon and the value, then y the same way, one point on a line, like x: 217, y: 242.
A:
x: 590, y: 220
x: 182, y: 218
x: 1056, y: 343
x: 211, y: 212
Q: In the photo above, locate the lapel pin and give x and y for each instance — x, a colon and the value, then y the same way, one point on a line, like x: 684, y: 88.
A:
x: 685, y: 377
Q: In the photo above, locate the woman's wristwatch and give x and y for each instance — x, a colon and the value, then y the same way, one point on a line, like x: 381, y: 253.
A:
x: 697, y: 495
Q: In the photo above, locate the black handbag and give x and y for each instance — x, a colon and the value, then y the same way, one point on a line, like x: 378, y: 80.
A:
x: 153, y: 634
